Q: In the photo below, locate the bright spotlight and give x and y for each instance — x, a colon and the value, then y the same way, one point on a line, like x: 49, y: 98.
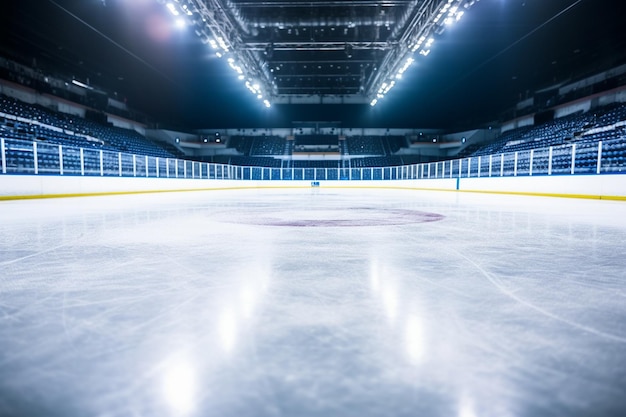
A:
x: 180, y: 23
x: 189, y: 12
x: 172, y: 8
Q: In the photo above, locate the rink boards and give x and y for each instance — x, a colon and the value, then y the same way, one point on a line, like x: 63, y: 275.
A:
x: 610, y: 187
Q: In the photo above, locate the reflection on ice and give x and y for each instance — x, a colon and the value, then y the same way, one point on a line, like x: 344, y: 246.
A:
x: 248, y: 300
x: 227, y: 328
x: 385, y: 286
x: 466, y: 407
x: 414, y: 334
x: 374, y: 276
x: 382, y: 285
x: 179, y: 385
x: 390, y: 301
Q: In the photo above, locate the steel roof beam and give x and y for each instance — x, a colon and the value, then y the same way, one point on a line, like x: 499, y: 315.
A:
x: 316, y: 75
x: 317, y: 46
x: 324, y: 3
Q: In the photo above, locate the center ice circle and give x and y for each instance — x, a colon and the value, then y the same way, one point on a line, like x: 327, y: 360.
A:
x: 340, y: 217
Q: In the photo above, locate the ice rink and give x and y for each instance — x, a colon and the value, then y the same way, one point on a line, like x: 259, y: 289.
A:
x: 319, y: 302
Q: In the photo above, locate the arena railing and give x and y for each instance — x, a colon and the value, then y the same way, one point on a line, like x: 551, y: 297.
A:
x: 40, y: 158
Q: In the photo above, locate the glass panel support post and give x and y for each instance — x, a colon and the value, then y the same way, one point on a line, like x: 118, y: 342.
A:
x: 3, y: 155
x: 35, y: 159
x: 550, y: 160
x: 60, y: 159
x: 599, y: 165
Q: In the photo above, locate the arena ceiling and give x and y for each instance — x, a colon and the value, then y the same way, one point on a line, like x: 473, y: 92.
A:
x: 320, y: 51
x: 500, y: 51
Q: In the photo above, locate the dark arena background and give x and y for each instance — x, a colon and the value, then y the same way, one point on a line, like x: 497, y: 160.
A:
x: 243, y: 208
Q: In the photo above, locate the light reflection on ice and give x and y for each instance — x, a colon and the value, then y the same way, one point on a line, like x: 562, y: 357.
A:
x: 179, y: 385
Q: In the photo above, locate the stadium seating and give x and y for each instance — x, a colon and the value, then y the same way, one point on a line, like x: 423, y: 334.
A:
x: 267, y: 146
x: 43, y: 125
x: 574, y: 141
x: 561, y: 131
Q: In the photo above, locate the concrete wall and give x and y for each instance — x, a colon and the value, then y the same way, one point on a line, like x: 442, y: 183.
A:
x: 527, y: 120
x: 591, y: 186
x: 583, y: 106
x: 30, y: 96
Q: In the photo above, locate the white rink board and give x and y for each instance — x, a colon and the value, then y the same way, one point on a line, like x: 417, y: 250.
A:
x: 47, y: 186
x: 575, y: 185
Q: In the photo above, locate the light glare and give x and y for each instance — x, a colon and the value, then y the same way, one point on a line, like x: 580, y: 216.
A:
x: 179, y: 386
x: 172, y: 8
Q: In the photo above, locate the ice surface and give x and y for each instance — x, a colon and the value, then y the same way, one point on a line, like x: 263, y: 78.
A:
x: 312, y: 303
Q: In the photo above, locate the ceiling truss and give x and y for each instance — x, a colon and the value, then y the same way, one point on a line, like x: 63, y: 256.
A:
x: 320, y: 51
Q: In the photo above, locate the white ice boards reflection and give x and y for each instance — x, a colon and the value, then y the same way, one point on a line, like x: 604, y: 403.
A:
x: 313, y: 303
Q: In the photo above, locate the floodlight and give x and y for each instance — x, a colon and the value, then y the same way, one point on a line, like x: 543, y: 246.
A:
x: 172, y: 8
x: 348, y: 51
x: 189, y: 12
x: 82, y: 85
x: 222, y: 43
